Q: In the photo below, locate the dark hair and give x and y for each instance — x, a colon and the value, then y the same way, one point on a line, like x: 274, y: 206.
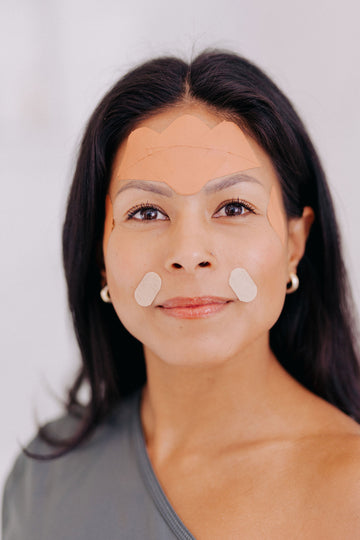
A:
x: 313, y: 338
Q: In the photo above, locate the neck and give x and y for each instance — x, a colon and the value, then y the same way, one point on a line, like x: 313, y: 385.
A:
x: 202, y: 406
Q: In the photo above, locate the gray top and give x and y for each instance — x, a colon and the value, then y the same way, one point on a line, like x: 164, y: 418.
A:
x: 106, y: 489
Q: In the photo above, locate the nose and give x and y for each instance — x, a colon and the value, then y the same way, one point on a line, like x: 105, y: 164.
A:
x: 190, y: 250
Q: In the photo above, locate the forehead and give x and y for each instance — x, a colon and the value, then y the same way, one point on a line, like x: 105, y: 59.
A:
x: 185, y: 151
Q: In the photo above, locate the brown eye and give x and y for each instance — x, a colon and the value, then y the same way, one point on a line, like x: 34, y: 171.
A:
x: 146, y: 213
x: 234, y: 208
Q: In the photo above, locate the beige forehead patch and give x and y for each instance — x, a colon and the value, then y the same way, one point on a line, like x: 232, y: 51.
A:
x: 187, y: 154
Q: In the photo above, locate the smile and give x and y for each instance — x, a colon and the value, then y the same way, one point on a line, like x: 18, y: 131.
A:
x: 194, y: 308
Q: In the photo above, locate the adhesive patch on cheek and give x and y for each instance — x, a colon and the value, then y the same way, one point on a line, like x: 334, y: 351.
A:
x: 242, y: 285
x: 276, y: 215
x: 147, y: 289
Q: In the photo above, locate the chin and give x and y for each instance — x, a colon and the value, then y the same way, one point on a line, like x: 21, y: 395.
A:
x: 197, y: 352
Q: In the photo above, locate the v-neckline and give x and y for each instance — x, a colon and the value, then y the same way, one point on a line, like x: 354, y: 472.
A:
x: 153, y: 485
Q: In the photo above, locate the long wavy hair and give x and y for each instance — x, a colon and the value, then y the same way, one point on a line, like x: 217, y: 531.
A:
x: 314, y: 337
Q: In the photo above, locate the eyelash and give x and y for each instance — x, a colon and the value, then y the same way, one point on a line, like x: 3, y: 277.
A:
x: 239, y: 203
x: 147, y: 206
x: 143, y: 206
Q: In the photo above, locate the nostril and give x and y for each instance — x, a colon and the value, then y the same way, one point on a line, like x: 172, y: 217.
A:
x: 202, y: 264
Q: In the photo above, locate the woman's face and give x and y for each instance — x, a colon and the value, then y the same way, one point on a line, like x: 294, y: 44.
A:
x: 196, y: 245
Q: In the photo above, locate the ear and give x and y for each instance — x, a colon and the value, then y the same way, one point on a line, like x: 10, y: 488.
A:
x: 298, y: 232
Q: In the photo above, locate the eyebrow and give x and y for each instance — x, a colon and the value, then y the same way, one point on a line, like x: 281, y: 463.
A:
x: 228, y: 181
x: 215, y: 185
x: 145, y: 185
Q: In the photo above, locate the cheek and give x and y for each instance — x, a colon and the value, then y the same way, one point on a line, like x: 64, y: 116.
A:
x: 264, y: 258
x: 125, y: 263
x: 271, y: 276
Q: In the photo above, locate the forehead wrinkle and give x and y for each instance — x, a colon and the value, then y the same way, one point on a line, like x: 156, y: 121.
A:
x: 146, y: 185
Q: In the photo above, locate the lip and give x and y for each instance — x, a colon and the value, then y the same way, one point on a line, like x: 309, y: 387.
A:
x: 194, y: 308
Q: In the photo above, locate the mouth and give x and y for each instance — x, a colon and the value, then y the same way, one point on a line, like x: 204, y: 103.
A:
x: 194, y: 308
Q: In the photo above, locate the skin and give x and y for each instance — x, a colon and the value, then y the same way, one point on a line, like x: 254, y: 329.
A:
x: 257, y: 454
x: 186, y: 154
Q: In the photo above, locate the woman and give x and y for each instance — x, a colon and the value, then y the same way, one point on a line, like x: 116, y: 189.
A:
x: 212, y: 311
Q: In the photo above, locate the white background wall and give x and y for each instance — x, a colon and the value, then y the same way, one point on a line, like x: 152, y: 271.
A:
x: 57, y: 58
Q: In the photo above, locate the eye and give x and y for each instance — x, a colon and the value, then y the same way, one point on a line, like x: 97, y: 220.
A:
x: 146, y: 212
x: 235, y: 207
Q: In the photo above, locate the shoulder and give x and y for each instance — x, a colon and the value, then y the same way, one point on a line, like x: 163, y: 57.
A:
x: 37, y: 488
x: 115, y: 425
x: 339, y: 484
x: 334, y: 443
x: 329, y: 471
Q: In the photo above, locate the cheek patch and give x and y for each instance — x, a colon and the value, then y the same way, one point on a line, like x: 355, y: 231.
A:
x: 147, y: 289
x: 275, y: 215
x: 242, y: 285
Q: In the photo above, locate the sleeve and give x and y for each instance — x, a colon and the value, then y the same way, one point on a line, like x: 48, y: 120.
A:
x: 14, y: 502
x: 28, y: 488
